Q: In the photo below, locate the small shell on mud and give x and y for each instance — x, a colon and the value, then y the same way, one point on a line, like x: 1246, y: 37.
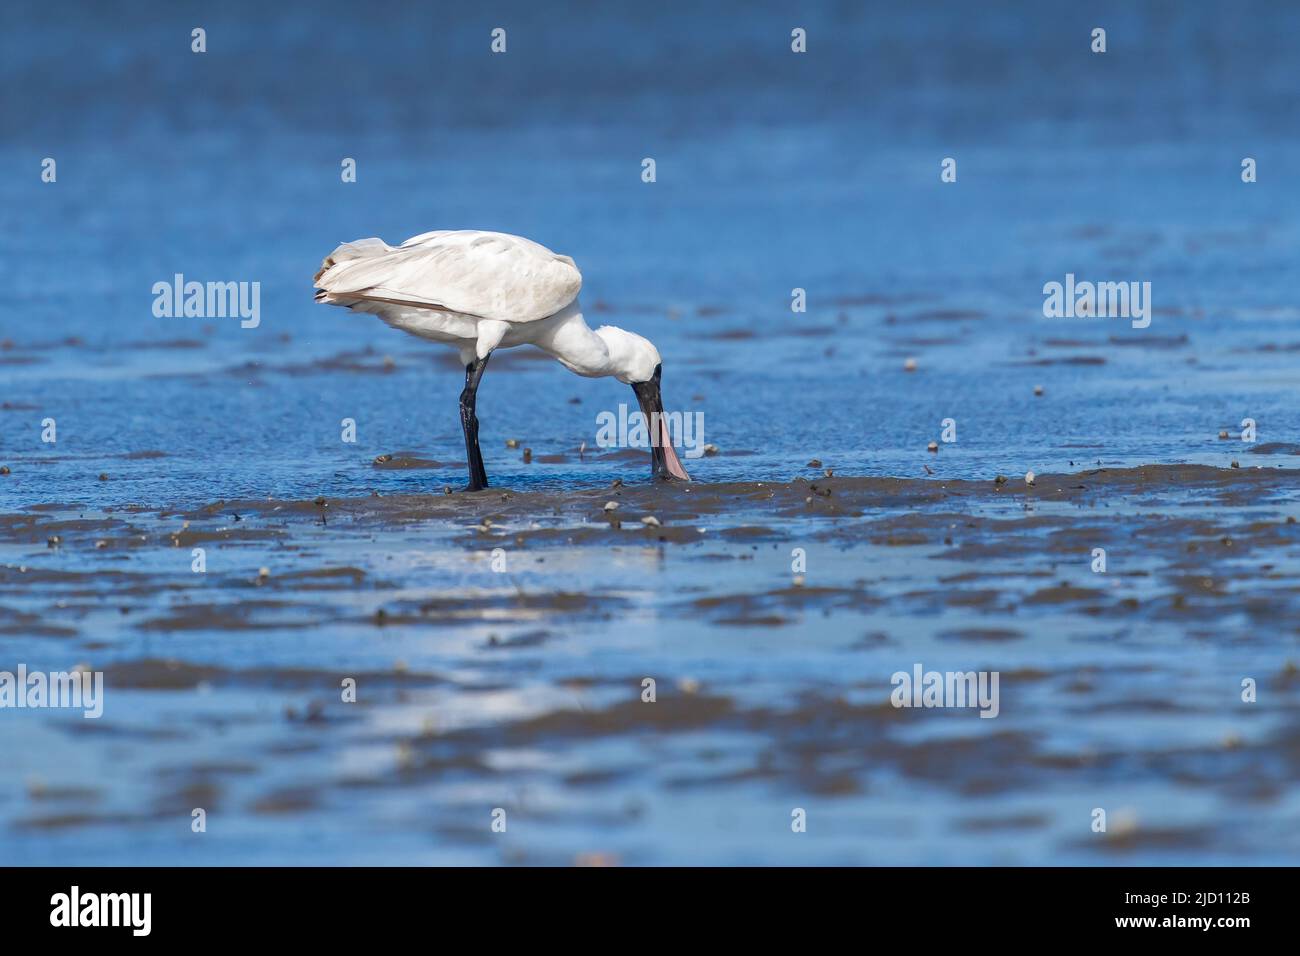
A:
x: 798, y: 581
x: 611, y: 505
x: 909, y: 365
x: 405, y: 755
x: 1123, y: 824
x: 1000, y: 480
x: 650, y: 521
x: 1029, y: 477
x: 263, y: 572
x: 933, y: 446
x: 710, y: 450
x: 512, y: 442
x: 1038, y: 390
x: 1223, y: 436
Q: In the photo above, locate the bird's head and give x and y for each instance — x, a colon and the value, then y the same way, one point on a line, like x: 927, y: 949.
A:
x: 632, y: 358
x: 635, y: 361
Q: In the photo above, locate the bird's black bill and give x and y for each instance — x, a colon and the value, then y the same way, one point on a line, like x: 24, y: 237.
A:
x: 663, y: 457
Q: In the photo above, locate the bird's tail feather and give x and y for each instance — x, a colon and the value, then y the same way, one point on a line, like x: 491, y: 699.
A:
x: 349, y: 251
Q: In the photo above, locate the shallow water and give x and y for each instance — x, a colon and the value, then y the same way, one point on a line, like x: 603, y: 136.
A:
x: 521, y: 689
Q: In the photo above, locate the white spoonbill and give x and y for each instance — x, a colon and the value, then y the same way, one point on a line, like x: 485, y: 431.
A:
x: 482, y: 291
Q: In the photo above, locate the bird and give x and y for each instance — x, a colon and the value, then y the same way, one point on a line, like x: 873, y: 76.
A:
x: 483, y: 291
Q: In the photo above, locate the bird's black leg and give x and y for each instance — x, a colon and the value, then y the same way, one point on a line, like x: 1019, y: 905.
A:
x: 469, y: 423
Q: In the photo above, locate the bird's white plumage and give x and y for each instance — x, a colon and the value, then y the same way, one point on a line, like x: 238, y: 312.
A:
x: 488, y: 275
x: 480, y: 291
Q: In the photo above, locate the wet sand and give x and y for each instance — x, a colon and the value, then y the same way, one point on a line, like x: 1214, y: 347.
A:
x: 521, y: 688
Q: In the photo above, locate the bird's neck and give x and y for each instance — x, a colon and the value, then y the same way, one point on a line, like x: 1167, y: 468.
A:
x: 575, y: 345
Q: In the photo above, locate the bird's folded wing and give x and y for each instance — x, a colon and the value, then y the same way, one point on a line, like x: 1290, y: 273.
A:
x: 486, y: 274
